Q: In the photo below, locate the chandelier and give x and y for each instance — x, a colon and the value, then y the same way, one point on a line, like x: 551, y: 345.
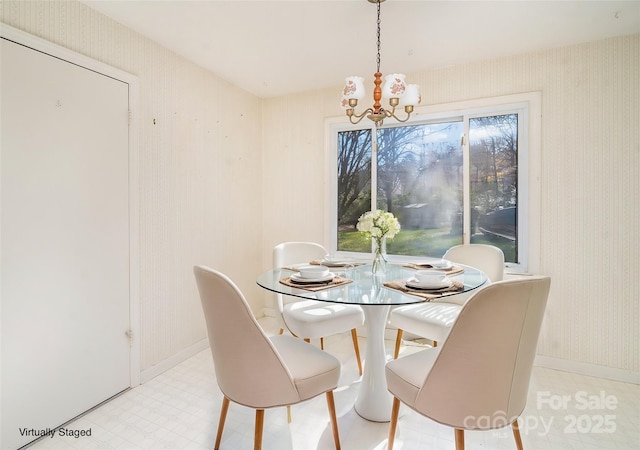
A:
x: 395, y: 90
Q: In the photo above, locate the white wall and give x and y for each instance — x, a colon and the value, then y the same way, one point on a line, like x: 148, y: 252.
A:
x: 590, y: 188
x: 201, y: 161
x: 200, y: 147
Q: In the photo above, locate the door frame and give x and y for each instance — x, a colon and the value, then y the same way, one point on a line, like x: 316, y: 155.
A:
x: 63, y: 53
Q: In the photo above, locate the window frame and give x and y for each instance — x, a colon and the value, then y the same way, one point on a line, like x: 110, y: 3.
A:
x: 529, y: 167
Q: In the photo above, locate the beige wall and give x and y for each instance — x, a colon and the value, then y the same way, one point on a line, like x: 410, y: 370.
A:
x: 590, y: 189
x: 199, y: 141
x: 212, y: 144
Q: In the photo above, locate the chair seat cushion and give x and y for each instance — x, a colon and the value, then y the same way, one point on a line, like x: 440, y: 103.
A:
x: 313, y: 319
x: 432, y: 320
x: 406, y: 375
x: 313, y: 371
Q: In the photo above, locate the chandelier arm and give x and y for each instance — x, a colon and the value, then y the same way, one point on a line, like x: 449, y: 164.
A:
x: 393, y: 114
x: 359, y: 117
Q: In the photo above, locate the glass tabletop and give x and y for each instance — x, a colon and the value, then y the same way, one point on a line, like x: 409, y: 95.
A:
x: 365, y: 288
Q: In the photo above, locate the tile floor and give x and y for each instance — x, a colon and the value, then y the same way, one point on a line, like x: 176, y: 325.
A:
x: 179, y: 410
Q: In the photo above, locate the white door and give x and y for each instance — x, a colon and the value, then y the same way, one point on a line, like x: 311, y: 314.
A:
x: 64, y: 241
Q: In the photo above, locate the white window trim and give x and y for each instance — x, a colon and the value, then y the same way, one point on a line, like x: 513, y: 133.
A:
x: 529, y: 157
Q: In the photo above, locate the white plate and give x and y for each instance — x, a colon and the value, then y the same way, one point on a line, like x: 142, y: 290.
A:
x: 297, y: 278
x: 414, y: 283
x: 336, y: 262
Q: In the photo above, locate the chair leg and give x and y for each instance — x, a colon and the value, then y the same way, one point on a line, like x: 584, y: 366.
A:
x: 395, y: 409
x: 435, y: 343
x: 334, y: 420
x: 356, y: 347
x: 321, y: 343
x: 459, y: 439
x: 307, y: 340
x: 281, y: 330
x: 257, y: 436
x: 288, y: 413
x: 516, y: 435
x: 223, y: 417
x: 398, y: 342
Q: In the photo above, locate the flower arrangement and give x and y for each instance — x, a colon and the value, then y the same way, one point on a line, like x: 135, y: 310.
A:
x: 378, y: 225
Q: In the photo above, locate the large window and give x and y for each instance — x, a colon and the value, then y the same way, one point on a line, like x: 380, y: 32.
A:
x: 450, y: 178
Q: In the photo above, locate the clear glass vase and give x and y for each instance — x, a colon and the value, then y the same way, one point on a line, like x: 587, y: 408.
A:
x: 379, y: 263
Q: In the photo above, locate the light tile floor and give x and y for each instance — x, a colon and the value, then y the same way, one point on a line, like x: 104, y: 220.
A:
x: 179, y: 410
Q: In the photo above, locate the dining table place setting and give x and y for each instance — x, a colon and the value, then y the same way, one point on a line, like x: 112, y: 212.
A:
x: 335, y: 261
x: 313, y: 278
x: 428, y: 284
x: 441, y: 264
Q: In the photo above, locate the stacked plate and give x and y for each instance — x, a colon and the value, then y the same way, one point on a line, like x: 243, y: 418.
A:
x: 312, y: 274
x: 297, y: 278
x: 333, y: 261
x: 414, y: 283
x: 440, y: 264
x: 429, y: 279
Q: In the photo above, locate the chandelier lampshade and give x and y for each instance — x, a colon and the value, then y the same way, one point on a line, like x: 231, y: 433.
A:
x: 394, y: 86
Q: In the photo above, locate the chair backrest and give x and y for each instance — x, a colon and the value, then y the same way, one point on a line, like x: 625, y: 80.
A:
x: 488, y: 258
x: 248, y: 368
x: 288, y: 253
x: 480, y: 377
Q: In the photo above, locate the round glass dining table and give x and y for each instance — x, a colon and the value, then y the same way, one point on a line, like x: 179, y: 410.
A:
x: 367, y: 290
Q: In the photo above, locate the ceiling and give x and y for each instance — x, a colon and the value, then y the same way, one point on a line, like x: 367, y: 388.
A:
x: 272, y: 48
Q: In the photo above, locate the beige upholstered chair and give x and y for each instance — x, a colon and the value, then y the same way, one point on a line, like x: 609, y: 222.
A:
x: 433, y: 320
x: 254, y: 370
x: 311, y: 319
x: 479, y: 378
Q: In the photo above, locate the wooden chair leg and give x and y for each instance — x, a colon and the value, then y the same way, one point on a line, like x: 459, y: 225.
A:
x: 395, y: 408
x: 288, y: 413
x: 459, y: 439
x: 223, y: 417
x: 281, y: 330
x: 516, y: 434
x: 435, y: 343
x: 398, y: 342
x: 356, y: 347
x: 334, y: 420
x: 257, y: 437
x: 307, y: 340
x: 321, y: 343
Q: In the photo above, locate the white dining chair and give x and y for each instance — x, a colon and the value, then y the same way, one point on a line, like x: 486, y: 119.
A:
x: 311, y: 319
x: 433, y: 320
x: 254, y: 370
x: 478, y: 379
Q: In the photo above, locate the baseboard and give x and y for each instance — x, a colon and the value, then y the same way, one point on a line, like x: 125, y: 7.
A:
x: 594, y: 370
x: 183, y: 355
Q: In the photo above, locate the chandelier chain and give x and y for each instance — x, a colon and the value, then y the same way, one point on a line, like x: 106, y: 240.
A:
x: 378, y: 57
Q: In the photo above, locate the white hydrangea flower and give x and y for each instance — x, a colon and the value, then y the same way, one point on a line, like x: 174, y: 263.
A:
x: 379, y: 224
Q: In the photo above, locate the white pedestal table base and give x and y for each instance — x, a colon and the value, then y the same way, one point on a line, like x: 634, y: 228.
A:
x: 374, y: 400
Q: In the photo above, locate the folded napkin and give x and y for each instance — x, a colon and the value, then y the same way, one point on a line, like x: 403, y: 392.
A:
x: 337, y: 281
x: 452, y: 270
x: 428, y: 294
